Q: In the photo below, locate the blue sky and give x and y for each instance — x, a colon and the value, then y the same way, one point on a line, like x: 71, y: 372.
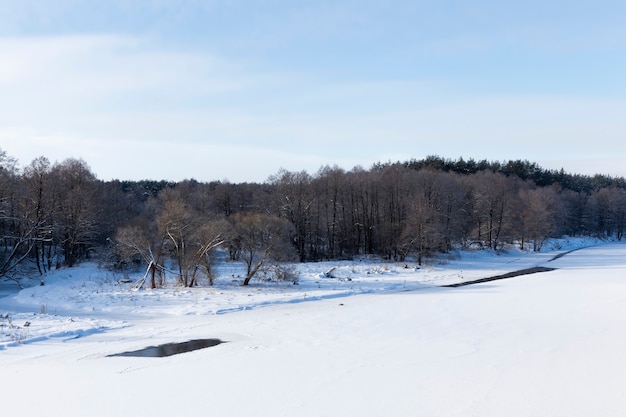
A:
x: 236, y: 90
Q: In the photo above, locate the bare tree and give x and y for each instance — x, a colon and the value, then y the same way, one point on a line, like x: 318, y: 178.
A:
x: 38, y: 210
x: 494, y: 200
x: 454, y: 209
x: 326, y: 187
x: 395, y: 196
x: 206, y: 238
x: 175, y: 232
x: 175, y: 225
x: 609, y: 205
x: 140, y: 239
x: 294, y: 202
x: 77, y: 214
x: 16, y: 239
x: 264, y: 240
x: 425, y: 227
x: 540, y: 215
x: 421, y: 228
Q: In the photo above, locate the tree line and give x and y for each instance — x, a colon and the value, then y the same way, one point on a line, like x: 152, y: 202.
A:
x: 54, y: 215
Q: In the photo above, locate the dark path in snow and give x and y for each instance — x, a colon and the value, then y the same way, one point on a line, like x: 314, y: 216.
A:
x: 513, y: 274
x: 526, y: 271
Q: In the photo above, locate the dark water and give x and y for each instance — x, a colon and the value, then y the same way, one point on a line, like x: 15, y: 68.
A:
x: 170, y: 349
x: 528, y: 271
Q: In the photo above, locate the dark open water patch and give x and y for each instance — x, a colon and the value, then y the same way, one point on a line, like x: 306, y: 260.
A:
x: 503, y: 276
x: 170, y: 349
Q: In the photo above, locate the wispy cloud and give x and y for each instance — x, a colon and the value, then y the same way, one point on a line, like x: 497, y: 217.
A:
x: 81, y: 84
x: 97, y: 66
x: 140, y: 105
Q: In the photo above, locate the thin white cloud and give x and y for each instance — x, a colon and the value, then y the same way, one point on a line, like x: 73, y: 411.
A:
x: 131, y: 107
x: 70, y: 72
x: 140, y: 159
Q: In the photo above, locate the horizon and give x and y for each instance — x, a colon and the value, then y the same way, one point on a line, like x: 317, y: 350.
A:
x: 370, y: 166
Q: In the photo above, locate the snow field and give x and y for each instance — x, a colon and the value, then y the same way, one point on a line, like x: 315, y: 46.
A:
x: 548, y: 344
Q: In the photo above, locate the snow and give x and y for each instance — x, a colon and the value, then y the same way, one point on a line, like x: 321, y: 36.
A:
x: 376, y: 339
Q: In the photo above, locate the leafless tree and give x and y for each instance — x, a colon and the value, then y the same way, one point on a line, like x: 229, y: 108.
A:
x: 540, y: 215
x: 174, y: 232
x: 38, y: 209
x: 495, y: 198
x: 396, y: 195
x: 264, y: 240
x: 175, y: 224
x: 16, y: 237
x: 609, y: 211
x: 427, y: 220
x: 63, y: 213
x: 421, y: 228
x: 326, y: 187
x: 77, y: 215
x: 293, y: 199
x: 140, y: 239
x: 205, y: 239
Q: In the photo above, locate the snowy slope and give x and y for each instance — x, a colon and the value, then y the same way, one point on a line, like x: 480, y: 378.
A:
x: 387, y: 342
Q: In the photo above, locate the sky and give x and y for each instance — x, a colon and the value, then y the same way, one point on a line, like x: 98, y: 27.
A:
x: 237, y: 90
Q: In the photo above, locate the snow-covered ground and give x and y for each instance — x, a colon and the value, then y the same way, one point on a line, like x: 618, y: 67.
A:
x: 375, y: 339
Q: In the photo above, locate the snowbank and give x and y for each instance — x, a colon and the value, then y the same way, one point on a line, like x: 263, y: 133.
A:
x: 379, y: 339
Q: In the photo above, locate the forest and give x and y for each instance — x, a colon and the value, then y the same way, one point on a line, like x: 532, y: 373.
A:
x: 56, y: 215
